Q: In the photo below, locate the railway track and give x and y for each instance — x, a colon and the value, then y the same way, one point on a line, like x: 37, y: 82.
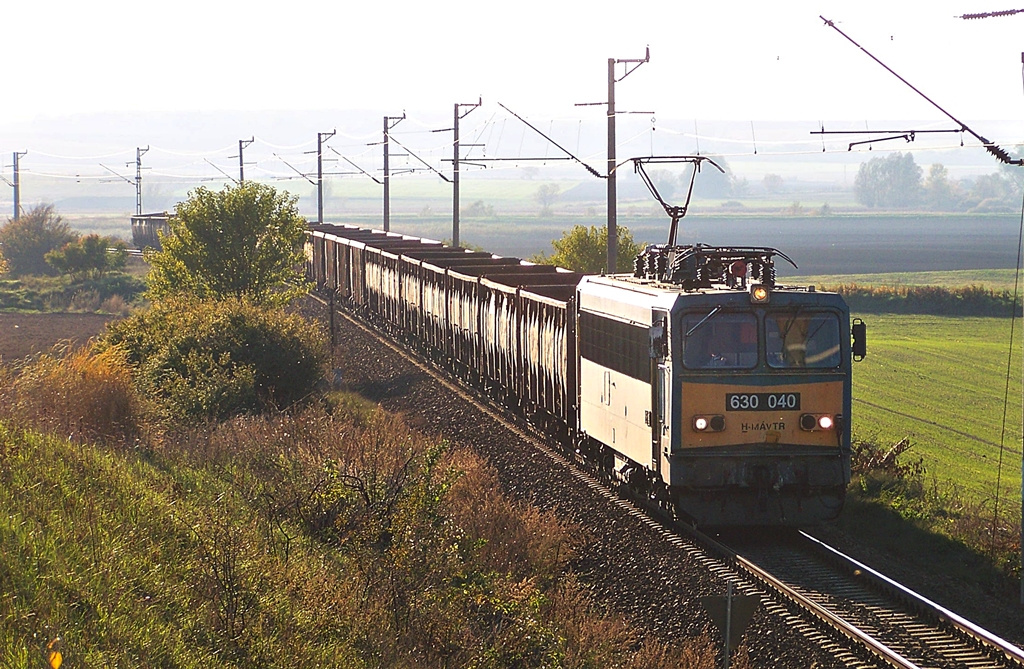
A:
x: 900, y: 627
x: 857, y: 616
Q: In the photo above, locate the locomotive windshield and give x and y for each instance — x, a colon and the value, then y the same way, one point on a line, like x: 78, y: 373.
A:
x: 724, y: 341
x: 802, y: 339
x: 794, y: 339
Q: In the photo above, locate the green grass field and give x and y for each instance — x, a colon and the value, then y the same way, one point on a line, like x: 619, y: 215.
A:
x: 941, y: 382
x: 996, y: 279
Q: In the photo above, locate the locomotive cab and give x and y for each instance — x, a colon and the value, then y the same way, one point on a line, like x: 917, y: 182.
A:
x: 744, y: 392
x: 763, y: 401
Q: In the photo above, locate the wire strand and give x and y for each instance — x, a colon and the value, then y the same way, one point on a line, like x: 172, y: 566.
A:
x: 1006, y: 391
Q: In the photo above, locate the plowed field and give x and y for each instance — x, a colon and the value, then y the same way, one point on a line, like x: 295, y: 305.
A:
x: 24, y: 334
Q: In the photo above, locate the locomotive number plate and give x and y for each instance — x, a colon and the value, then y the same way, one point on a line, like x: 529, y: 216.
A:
x: 762, y: 402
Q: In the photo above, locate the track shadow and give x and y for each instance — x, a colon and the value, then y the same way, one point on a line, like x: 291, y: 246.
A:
x: 381, y: 390
x: 946, y: 571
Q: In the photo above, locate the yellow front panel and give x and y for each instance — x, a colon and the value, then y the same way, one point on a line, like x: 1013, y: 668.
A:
x: 759, y: 427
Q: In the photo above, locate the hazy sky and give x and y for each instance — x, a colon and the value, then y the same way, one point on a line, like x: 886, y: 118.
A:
x: 709, y: 60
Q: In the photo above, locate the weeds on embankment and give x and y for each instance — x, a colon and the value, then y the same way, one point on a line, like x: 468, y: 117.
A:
x: 895, y: 505
x: 332, y: 535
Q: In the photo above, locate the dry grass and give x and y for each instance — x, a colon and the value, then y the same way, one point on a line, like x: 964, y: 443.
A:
x: 77, y: 394
x: 305, y: 538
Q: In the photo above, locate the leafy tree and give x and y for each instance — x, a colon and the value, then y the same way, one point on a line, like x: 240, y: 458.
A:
x: 26, y: 241
x: 91, y: 255
x: 993, y: 192
x: 893, y: 181
x: 772, y: 183
x: 1014, y: 176
x: 939, y: 192
x: 989, y: 186
x: 710, y: 183
x: 479, y: 209
x: 666, y: 182
x: 547, y: 195
x: 4, y: 265
x: 584, y: 249
x: 244, y: 241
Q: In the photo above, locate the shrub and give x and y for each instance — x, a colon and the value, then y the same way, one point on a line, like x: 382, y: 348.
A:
x: 83, y: 394
x: 214, y: 359
x: 91, y: 256
x: 937, y: 300
x: 440, y: 568
x: 26, y: 241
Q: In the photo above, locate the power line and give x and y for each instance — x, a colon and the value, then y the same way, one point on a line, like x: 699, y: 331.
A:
x: 995, y: 150
x: 569, y: 154
x: 214, y: 166
x: 989, y: 15
x: 361, y: 170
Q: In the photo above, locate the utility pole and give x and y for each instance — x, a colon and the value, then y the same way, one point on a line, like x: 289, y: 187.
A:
x: 139, y: 152
x: 17, y: 184
x: 321, y: 137
x: 613, y: 238
x: 242, y: 143
x: 455, y: 167
x: 388, y: 125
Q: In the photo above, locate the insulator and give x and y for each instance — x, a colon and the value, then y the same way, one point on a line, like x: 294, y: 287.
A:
x: 755, y: 271
x: 713, y: 270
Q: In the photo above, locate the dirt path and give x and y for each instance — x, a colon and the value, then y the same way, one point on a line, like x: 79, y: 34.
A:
x: 24, y: 334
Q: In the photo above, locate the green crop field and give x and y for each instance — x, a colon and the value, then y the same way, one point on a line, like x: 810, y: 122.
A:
x: 941, y: 381
x: 996, y: 279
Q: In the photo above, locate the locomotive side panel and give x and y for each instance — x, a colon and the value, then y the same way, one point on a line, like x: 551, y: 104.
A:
x: 614, y: 370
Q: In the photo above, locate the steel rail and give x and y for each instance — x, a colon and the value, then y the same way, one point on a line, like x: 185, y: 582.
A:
x: 834, y: 622
x: 1013, y: 653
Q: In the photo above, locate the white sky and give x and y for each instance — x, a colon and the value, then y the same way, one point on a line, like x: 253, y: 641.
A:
x: 711, y: 60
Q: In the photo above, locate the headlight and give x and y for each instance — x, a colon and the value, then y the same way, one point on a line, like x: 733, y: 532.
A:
x: 813, y: 422
x: 708, y: 423
x: 759, y: 293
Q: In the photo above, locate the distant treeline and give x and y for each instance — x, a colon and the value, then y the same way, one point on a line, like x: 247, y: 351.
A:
x: 935, y: 300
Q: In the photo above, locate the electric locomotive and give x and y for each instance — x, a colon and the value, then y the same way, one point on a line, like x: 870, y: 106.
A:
x: 716, y: 390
